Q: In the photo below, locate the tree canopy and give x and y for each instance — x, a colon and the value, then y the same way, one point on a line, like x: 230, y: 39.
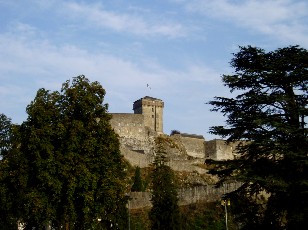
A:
x: 268, y: 114
x: 68, y: 170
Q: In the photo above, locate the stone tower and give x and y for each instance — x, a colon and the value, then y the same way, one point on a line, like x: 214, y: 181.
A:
x: 152, y: 110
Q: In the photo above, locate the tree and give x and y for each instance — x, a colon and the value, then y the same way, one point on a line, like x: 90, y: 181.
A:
x: 165, y: 212
x: 69, y: 171
x: 5, y: 134
x: 138, y: 185
x: 173, y: 132
x: 7, y: 201
x: 268, y: 115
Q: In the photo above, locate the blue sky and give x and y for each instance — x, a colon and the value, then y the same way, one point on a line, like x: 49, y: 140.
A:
x: 178, y: 47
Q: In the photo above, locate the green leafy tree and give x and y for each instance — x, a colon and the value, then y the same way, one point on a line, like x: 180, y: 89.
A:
x: 69, y: 170
x: 164, y: 213
x: 5, y: 134
x: 267, y: 113
x: 137, y: 185
x: 7, y: 200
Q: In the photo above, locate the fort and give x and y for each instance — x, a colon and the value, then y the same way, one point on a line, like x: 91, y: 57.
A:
x: 137, y: 132
x: 187, y: 153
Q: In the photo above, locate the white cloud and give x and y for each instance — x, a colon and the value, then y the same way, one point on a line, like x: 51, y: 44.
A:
x: 28, y: 63
x: 40, y: 61
x: 95, y: 15
x: 283, y: 19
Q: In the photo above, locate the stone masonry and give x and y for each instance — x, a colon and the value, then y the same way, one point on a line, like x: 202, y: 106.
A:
x: 137, y: 132
x: 208, y: 193
x: 152, y: 110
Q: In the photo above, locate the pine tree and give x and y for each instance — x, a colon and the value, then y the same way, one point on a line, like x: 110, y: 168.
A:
x: 138, y: 185
x: 165, y: 212
x: 268, y: 115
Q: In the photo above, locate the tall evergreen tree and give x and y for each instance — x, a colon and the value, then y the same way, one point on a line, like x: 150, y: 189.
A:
x: 137, y: 185
x: 165, y: 212
x: 69, y: 171
x: 268, y: 114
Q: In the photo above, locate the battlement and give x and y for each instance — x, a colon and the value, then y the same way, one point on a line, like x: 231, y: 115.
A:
x: 147, y: 101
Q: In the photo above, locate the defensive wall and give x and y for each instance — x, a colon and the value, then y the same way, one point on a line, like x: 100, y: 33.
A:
x: 136, y: 158
x: 194, y: 144
x: 207, y: 193
x: 128, y: 125
x: 220, y: 150
x: 133, y: 134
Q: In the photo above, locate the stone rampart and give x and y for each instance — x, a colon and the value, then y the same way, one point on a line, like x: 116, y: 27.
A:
x: 132, y: 132
x: 187, y: 165
x: 136, y: 158
x: 194, y: 144
x: 220, y: 150
x: 128, y: 124
x: 208, y: 193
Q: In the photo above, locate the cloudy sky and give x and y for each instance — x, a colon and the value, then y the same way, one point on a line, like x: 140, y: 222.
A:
x: 180, y: 48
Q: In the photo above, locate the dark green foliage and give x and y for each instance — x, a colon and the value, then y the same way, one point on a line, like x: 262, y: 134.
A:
x: 5, y: 134
x: 138, y: 185
x: 209, y: 216
x: 250, y: 211
x: 268, y: 113
x: 173, y: 132
x: 197, y: 216
x: 68, y: 170
x: 165, y: 212
x: 140, y: 219
x: 7, y: 214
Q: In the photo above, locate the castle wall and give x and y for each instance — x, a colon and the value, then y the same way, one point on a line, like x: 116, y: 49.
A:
x: 208, y: 193
x: 220, y: 150
x: 137, y: 159
x: 144, y: 160
x: 128, y: 125
x: 194, y: 144
x: 133, y: 134
x: 187, y: 165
